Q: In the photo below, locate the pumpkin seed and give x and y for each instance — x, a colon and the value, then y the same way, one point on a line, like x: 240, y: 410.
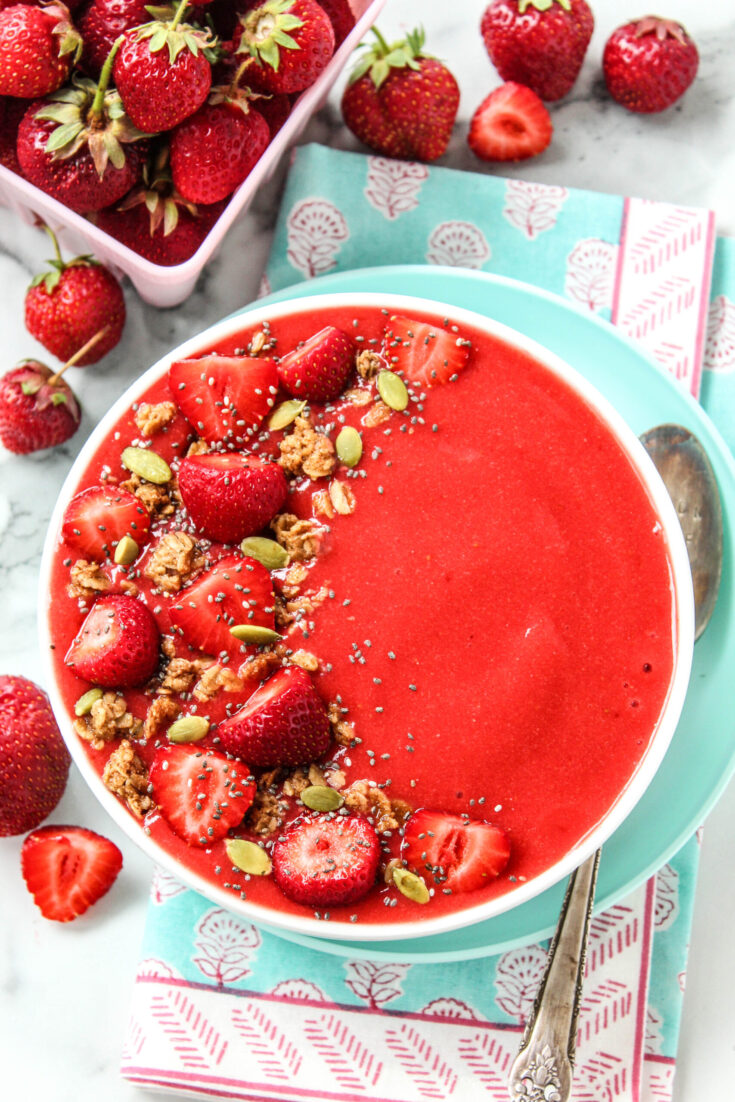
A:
x: 411, y: 886
x: 284, y: 414
x: 248, y: 856
x: 84, y: 705
x: 319, y: 797
x: 146, y: 464
x: 392, y: 390
x: 268, y: 552
x: 188, y: 729
x: 253, y: 633
x: 126, y: 551
x: 348, y: 446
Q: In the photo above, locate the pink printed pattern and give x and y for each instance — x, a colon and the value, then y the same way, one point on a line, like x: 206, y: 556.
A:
x: 316, y: 230
x: 663, y: 281
x: 458, y: 244
x: 667, y: 897
x: 590, y: 273
x: 224, y: 946
x: 517, y: 978
x: 533, y: 208
x: 193, y: 1040
x: 164, y: 886
x: 393, y: 186
x: 719, y: 352
x: 376, y: 983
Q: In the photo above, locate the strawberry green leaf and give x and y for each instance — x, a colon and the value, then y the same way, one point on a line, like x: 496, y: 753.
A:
x: 58, y: 398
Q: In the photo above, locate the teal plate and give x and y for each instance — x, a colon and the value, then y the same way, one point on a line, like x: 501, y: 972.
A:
x: 701, y: 757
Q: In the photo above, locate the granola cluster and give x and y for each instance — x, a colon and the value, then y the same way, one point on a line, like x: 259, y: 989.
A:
x: 304, y: 451
x: 127, y: 777
x: 366, y: 798
x: 108, y: 719
x: 301, y: 538
x: 151, y: 419
x: 174, y: 559
x: 87, y: 580
x: 160, y: 501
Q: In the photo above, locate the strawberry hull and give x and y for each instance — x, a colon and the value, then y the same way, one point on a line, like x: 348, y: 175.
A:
x: 488, y: 640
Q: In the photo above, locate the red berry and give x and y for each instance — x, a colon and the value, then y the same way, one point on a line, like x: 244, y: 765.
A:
x: 117, y: 645
x: 36, y: 49
x: 341, y: 17
x: 224, y: 398
x: 200, y: 793
x: 452, y: 854
x: 34, y: 760
x: 283, y: 723
x: 230, y: 496
x: 161, y: 244
x: 67, y: 869
x: 649, y: 64
x: 102, y: 23
x: 213, y: 151
x: 538, y: 43
x: 96, y: 519
x: 66, y: 307
x: 327, y: 861
x: 11, y: 112
x: 34, y: 413
x: 511, y: 124
x: 291, y: 42
x: 424, y: 354
x: 400, y: 102
x: 318, y: 370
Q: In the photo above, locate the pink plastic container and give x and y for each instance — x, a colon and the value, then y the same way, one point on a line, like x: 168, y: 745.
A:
x: 168, y: 286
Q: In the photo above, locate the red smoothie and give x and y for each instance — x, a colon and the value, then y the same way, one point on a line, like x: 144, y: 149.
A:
x: 490, y: 608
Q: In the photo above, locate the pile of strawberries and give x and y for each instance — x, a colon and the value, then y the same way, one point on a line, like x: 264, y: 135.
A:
x: 402, y: 102
x: 146, y: 122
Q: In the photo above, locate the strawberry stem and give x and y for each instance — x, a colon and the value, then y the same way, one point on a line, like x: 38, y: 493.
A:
x: 99, y: 96
x: 78, y: 355
x: 52, y: 235
x: 179, y: 14
x: 383, y: 44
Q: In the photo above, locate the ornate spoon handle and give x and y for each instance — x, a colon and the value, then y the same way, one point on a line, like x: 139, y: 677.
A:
x: 542, y: 1070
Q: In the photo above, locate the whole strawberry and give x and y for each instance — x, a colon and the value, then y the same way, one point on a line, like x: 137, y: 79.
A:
x: 37, y: 409
x: 66, y: 307
x: 11, y: 112
x: 401, y: 101
x: 649, y: 63
x: 539, y: 43
x: 102, y: 23
x: 79, y: 146
x: 163, y: 72
x: 290, y: 43
x: 37, y: 48
x: 34, y: 760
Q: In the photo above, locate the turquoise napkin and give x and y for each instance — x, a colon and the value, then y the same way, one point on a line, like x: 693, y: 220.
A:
x: 224, y: 1009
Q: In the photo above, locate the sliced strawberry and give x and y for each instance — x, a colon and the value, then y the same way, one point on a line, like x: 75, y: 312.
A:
x: 318, y: 369
x: 327, y: 860
x: 237, y: 590
x: 452, y: 853
x: 230, y: 495
x: 511, y: 124
x: 200, y: 793
x: 283, y: 723
x: 224, y: 398
x: 67, y: 869
x: 425, y: 354
x: 97, y: 519
x: 117, y: 645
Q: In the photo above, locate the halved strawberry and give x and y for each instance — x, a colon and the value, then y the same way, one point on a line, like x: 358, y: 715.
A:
x: 200, y: 793
x: 511, y: 124
x: 96, y: 519
x: 67, y: 869
x: 426, y: 354
x: 452, y: 853
x: 318, y: 369
x: 237, y: 590
x: 327, y: 860
x: 224, y: 398
x: 283, y: 723
x: 231, y: 495
x: 117, y: 645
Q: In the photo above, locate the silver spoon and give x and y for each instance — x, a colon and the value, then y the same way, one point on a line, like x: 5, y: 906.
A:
x: 543, y: 1069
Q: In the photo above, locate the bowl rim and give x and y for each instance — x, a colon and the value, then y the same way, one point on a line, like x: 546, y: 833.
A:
x: 682, y: 625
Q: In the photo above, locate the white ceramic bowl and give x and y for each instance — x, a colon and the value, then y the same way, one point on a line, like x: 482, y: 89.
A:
x: 157, y: 283
x: 683, y: 626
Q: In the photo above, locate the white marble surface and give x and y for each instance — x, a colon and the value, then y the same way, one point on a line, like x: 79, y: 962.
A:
x: 64, y: 991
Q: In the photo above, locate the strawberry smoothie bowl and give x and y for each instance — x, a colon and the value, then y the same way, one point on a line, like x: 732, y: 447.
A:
x: 365, y: 616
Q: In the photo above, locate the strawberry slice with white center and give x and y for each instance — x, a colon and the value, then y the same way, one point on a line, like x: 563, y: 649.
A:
x: 67, y: 869
x: 96, y: 519
x: 283, y: 723
x: 200, y: 793
x: 425, y: 354
x: 327, y: 860
x: 224, y: 398
x: 511, y: 124
x: 318, y: 369
x: 237, y: 590
x: 452, y: 853
x: 117, y: 646
x: 230, y: 495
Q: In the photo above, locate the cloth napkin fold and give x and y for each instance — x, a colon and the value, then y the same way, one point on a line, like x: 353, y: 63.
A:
x: 224, y: 1009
